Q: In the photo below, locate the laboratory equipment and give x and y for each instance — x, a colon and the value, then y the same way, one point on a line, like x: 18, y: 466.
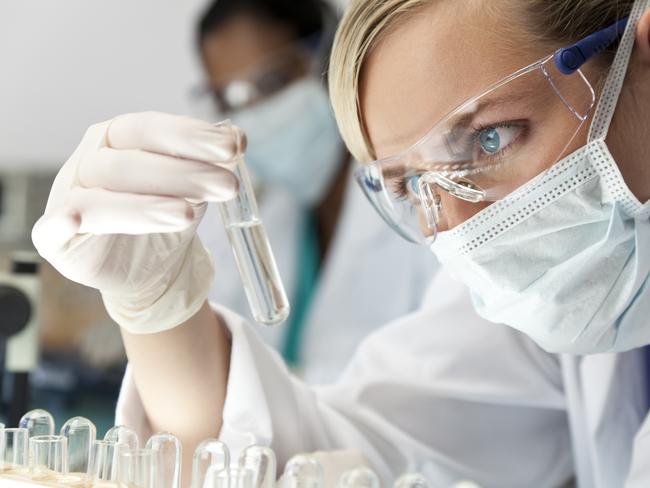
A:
x: 20, y: 291
x: 80, y: 434
x: 13, y: 450
x: 76, y: 459
x: 303, y: 471
x: 137, y: 468
x: 48, y: 454
x: 263, y: 286
x: 123, y: 435
x: 168, y: 450
x: 38, y: 422
x: 361, y: 477
x: 102, y: 464
x: 228, y: 478
x: 411, y: 480
x: 210, y: 454
x: 261, y: 462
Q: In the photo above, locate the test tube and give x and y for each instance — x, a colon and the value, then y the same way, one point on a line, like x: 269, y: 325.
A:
x: 263, y: 286
x: 228, y: 478
x: 123, y: 435
x: 168, y: 449
x: 102, y: 466
x: 359, y: 478
x: 303, y: 471
x: 261, y: 462
x: 411, y: 480
x: 13, y: 450
x: 211, y: 453
x: 81, y: 433
x: 38, y: 422
x: 48, y: 456
x: 136, y: 468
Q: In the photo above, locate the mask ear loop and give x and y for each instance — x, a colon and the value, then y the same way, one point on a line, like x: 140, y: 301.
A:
x: 614, y: 84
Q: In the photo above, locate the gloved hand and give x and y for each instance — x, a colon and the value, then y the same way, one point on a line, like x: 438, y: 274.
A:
x: 122, y: 214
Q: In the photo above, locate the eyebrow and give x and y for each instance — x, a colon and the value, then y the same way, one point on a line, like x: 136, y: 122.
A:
x: 465, y: 121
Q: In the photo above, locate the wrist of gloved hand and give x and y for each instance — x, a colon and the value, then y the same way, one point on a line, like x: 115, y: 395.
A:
x: 169, y: 300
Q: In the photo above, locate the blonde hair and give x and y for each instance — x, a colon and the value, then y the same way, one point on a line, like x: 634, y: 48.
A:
x: 366, y: 21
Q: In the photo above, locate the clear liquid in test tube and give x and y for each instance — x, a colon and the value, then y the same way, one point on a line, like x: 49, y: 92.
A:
x: 263, y: 286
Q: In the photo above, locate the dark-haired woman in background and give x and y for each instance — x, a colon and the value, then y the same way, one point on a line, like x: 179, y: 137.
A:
x: 344, y: 271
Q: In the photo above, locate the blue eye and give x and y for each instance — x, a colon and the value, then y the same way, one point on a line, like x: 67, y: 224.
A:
x: 490, y: 140
x: 413, y: 184
x: 494, y: 140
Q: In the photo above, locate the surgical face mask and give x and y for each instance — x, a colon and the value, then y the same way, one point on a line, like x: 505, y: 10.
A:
x: 293, y: 140
x: 566, y: 257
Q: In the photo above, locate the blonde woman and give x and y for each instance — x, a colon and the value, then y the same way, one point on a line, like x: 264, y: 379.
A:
x: 478, y: 127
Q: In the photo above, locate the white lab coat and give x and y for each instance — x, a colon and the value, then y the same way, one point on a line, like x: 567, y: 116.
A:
x: 370, y: 277
x: 446, y: 393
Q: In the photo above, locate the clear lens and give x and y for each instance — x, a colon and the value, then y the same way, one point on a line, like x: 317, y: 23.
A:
x: 482, y: 151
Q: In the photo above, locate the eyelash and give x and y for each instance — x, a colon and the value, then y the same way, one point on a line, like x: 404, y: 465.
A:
x: 491, y: 159
x: 521, y: 125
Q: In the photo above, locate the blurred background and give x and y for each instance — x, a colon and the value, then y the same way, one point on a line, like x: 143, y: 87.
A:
x: 65, y: 66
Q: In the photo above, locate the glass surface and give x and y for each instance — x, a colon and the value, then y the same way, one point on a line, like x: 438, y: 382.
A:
x: 359, y: 478
x: 168, y: 450
x: 303, y: 471
x: 136, y: 468
x: 228, y: 478
x: 261, y: 462
x: 80, y: 433
x: 102, y: 465
x: 210, y: 454
x: 38, y: 422
x: 263, y: 286
x: 48, y: 456
x: 13, y: 450
x: 411, y: 480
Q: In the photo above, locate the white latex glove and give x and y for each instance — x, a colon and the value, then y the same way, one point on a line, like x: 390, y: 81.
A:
x: 122, y: 214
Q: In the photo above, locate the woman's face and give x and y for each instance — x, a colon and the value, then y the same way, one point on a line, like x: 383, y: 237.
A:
x: 248, y: 48
x: 445, y: 54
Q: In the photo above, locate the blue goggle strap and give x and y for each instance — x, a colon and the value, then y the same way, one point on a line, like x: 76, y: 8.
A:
x: 570, y: 59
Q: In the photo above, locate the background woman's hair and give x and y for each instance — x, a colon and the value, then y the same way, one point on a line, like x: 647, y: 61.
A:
x: 305, y: 18
x: 555, y: 22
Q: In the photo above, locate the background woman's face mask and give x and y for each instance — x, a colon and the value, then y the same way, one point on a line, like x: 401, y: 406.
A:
x: 565, y: 257
x: 293, y: 140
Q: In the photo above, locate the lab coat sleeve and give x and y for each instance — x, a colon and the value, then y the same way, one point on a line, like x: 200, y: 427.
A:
x: 439, y: 391
x: 640, y: 468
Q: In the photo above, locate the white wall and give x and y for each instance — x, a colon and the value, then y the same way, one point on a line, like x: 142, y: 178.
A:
x: 65, y: 64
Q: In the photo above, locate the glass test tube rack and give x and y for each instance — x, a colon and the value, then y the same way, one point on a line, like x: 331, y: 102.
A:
x: 34, y: 455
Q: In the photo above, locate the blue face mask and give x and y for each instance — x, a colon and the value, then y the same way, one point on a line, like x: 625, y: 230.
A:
x: 293, y: 140
x: 565, y: 258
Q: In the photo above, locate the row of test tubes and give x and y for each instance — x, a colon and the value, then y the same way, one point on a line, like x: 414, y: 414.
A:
x: 33, y: 456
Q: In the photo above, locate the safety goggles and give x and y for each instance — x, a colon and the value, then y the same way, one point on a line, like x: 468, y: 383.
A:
x: 263, y: 81
x: 489, y: 146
